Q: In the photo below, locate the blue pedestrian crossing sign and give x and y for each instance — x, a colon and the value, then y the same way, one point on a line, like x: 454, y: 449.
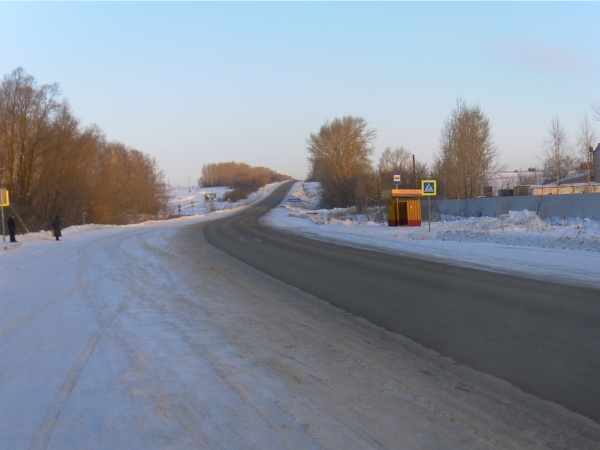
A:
x: 428, y: 187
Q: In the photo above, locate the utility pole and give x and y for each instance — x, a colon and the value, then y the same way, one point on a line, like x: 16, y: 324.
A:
x: 415, y: 171
x: 3, y: 231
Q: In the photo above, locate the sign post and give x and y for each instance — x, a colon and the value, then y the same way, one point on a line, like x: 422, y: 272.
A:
x: 428, y: 188
x: 4, y: 201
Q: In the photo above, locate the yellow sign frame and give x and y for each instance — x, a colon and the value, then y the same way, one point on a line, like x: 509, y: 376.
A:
x: 428, y: 182
x: 4, y: 199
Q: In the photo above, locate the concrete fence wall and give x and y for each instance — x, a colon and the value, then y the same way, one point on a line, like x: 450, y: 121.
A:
x: 569, y: 205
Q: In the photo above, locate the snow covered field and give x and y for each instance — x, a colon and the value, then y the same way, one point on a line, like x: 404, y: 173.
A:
x: 146, y: 337
x: 565, y: 250
x: 183, y: 197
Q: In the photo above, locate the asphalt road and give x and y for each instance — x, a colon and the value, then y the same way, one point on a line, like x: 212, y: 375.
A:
x: 540, y: 336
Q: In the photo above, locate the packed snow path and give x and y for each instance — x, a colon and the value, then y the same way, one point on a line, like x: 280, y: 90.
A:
x: 146, y: 337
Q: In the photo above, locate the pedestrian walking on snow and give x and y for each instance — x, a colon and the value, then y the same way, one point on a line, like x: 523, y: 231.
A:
x: 56, y: 228
x: 12, y: 228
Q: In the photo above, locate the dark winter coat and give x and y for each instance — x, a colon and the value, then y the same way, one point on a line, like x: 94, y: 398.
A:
x: 56, y: 227
x: 12, y: 226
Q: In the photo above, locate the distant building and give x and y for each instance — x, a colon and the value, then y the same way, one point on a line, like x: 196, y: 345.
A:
x: 503, y: 181
x: 573, y: 184
x: 561, y: 189
x: 531, y: 182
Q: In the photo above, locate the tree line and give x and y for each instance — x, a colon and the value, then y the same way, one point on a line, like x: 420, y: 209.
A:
x: 241, y: 177
x: 466, y: 159
x: 340, y: 159
x: 52, y: 166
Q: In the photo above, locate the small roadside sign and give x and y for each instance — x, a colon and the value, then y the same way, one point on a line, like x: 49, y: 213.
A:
x: 294, y: 200
x: 397, y: 178
x: 4, y: 201
x: 428, y: 187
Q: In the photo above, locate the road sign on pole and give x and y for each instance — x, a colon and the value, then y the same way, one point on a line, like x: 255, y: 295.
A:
x: 4, y: 201
x: 428, y: 187
x: 397, y: 179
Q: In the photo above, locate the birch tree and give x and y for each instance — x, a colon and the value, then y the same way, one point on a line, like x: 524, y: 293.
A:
x: 586, y: 138
x: 596, y: 109
x: 466, y: 156
x: 558, y: 159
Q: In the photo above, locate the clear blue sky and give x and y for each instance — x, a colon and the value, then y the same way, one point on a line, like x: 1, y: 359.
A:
x: 194, y: 83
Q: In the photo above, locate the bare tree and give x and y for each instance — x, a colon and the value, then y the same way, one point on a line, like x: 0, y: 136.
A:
x: 26, y: 113
x: 238, y: 175
x: 400, y: 161
x: 558, y: 160
x: 467, y: 156
x: 596, y: 109
x: 51, y: 166
x: 128, y: 185
x: 586, y: 138
x: 339, y: 155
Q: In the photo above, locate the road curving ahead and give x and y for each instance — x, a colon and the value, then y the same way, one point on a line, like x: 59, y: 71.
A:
x: 541, y: 336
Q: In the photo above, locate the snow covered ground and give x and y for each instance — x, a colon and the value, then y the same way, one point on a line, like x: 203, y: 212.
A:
x: 565, y: 250
x: 182, y: 199
x: 146, y: 337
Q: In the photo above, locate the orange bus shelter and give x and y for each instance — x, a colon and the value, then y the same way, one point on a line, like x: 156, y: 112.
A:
x: 404, y: 207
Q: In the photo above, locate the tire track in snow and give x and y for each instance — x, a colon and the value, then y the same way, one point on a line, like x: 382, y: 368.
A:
x: 44, y: 430
x: 43, y: 308
x: 190, y: 413
x: 166, y: 399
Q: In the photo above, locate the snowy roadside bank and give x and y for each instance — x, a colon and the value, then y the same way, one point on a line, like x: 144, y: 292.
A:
x: 562, y: 250
x: 193, y: 206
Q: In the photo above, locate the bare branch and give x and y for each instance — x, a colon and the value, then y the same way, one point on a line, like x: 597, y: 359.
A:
x: 596, y: 109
